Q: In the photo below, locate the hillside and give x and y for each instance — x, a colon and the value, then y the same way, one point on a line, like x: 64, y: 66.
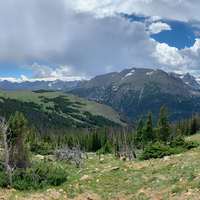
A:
x: 60, y: 110
x: 171, y: 177
x: 135, y: 91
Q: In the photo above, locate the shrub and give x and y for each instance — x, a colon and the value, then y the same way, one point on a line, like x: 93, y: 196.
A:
x: 107, y: 148
x: 189, y: 144
x: 175, y: 190
x: 155, y: 151
x: 3, y: 179
x: 177, y: 150
x: 177, y: 142
x: 38, y: 176
x: 181, y: 142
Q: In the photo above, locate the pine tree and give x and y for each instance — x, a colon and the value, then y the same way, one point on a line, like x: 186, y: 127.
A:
x: 163, y: 127
x: 138, y: 135
x: 104, y: 136
x: 19, y: 153
x: 148, y: 131
x: 193, y: 127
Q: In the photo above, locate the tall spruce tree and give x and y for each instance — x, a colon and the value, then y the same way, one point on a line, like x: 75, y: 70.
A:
x: 104, y: 136
x: 163, y: 127
x: 193, y: 126
x: 138, y: 135
x: 19, y: 151
x: 148, y: 131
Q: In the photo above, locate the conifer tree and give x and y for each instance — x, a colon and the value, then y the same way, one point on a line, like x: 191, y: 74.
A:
x: 163, y: 127
x: 19, y: 151
x: 138, y: 135
x: 104, y: 136
x: 193, y: 126
x: 148, y: 131
x: 186, y: 128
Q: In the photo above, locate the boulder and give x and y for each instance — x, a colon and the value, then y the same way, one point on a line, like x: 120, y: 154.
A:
x: 85, y: 178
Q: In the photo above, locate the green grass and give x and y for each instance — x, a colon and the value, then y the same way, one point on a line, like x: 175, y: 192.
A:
x: 134, y: 180
x: 83, y: 104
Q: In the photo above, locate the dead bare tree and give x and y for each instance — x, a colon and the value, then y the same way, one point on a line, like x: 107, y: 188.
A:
x: 70, y: 154
x: 6, y: 144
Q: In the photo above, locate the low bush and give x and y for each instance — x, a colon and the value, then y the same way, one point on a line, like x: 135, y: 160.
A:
x: 3, y: 179
x: 181, y: 142
x: 155, y: 151
x: 38, y: 176
x: 107, y: 148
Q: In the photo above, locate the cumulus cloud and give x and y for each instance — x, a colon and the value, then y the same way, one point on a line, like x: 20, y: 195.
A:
x: 157, y: 27
x: 44, y: 72
x: 168, y: 9
x: 86, y: 38
x: 182, y: 61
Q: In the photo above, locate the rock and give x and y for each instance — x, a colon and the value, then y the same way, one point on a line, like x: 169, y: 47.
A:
x: 89, y: 197
x: 2, y: 198
x: 188, y: 194
x: 174, y: 194
x: 122, y: 158
x: 111, y: 169
x: 178, y: 155
x: 40, y: 157
x: 8, y: 187
x: 77, y: 186
x: 127, y: 181
x: 91, y: 171
x: 159, y: 197
x: 181, y: 175
x: 97, y: 180
x: 13, y: 190
x: 85, y: 178
x: 80, y: 171
x: 197, y: 190
x: 190, y: 190
x: 96, y: 169
x: 101, y: 160
x: 60, y: 190
x: 166, y: 158
x: 16, y: 197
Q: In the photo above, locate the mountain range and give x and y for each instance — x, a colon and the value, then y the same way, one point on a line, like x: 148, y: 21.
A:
x: 131, y: 91
x: 135, y: 91
x: 57, y: 85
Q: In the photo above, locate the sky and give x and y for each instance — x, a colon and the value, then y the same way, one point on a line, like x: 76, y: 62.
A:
x: 80, y: 39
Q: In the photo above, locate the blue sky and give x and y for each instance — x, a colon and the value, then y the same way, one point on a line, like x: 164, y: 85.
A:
x: 79, y: 39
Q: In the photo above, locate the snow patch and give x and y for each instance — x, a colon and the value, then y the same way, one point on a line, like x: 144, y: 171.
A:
x: 130, y: 73
x: 149, y: 73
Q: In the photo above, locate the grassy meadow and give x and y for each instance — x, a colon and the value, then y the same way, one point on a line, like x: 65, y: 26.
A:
x: 173, y: 177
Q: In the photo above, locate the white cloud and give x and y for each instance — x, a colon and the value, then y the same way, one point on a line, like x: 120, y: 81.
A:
x: 168, y: 9
x: 157, y: 27
x: 88, y: 37
x: 155, y: 18
x: 168, y: 55
x: 182, y: 61
x: 45, y: 72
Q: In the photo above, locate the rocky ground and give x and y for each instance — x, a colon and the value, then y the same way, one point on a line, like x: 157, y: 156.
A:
x: 171, y: 177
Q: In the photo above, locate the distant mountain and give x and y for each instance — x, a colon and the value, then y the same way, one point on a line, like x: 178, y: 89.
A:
x: 135, y: 91
x: 57, y: 85
x: 190, y: 80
